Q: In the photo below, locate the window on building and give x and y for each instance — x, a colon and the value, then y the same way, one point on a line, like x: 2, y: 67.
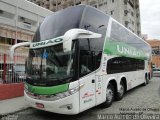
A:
x: 125, y: 2
x: 100, y: 5
x: 4, y: 40
x: 95, y: 6
x: 1, y: 11
x: 125, y: 12
x: 112, y: 12
x: 126, y: 23
x: 105, y: 3
x: 137, y: 15
x: 47, y: 6
x: 132, y: 13
x: 78, y: 3
x: 19, y: 41
x: 131, y: 3
x: 6, y: 14
x: 138, y: 32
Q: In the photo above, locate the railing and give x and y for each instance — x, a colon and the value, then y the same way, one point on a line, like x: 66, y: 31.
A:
x: 12, y: 71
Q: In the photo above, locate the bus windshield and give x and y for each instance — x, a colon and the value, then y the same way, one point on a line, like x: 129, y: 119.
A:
x: 50, y: 66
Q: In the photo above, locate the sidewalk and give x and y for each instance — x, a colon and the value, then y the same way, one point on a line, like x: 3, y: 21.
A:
x: 12, y: 105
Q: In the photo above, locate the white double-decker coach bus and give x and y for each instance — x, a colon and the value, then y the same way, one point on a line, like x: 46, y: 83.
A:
x: 80, y: 58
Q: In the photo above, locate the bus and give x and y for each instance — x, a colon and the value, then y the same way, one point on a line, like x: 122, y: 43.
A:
x: 80, y: 58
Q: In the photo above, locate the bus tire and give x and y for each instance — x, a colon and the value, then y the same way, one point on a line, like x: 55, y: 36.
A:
x: 119, y: 95
x: 149, y: 76
x: 146, y: 80
x: 109, y: 96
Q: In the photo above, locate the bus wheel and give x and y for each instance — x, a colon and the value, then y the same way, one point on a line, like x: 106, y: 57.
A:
x: 146, y: 81
x: 121, y: 92
x: 109, y: 95
x: 149, y: 76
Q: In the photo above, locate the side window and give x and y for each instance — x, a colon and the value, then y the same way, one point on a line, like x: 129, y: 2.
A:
x: 89, y: 61
x: 86, y: 62
x: 124, y: 64
x: 120, y: 34
x: 89, y: 58
x: 95, y: 21
x: 97, y: 59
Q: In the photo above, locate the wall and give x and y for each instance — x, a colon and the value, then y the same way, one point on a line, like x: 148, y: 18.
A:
x: 8, y: 91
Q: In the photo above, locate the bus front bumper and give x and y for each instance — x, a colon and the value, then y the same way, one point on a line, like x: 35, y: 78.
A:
x: 67, y: 105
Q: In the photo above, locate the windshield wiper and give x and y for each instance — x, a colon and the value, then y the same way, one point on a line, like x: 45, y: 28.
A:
x: 62, y: 81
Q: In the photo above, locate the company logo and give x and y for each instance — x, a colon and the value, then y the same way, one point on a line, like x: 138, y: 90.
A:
x: 46, y: 43
x: 88, y: 94
x: 124, y: 50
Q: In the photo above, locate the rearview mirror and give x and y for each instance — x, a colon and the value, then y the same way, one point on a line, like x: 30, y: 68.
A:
x: 73, y: 34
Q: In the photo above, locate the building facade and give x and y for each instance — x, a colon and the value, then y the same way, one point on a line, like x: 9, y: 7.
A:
x: 19, y: 20
x: 125, y: 11
x: 155, y: 44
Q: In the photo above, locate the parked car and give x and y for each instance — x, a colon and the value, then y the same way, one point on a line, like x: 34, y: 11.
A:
x: 18, y: 73
x: 156, y: 72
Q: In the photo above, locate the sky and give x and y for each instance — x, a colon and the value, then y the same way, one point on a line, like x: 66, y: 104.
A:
x: 150, y: 18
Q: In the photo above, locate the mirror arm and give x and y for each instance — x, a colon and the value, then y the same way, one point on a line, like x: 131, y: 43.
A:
x: 12, y: 49
x: 73, y: 34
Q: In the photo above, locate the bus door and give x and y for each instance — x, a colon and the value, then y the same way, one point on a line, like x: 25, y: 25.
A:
x: 87, y: 92
x: 99, y: 88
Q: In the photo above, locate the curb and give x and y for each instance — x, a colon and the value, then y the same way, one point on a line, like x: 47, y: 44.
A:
x: 14, y: 112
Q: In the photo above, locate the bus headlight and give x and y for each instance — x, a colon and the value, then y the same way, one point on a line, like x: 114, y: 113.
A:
x: 68, y: 93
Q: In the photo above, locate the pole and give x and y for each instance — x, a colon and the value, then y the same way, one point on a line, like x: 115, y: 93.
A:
x: 4, y: 69
x: 16, y: 18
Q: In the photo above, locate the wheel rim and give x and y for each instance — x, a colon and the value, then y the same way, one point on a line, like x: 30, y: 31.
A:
x: 109, y: 95
x: 121, y: 91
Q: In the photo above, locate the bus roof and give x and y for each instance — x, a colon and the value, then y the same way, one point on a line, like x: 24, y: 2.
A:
x: 80, y: 16
x: 83, y: 17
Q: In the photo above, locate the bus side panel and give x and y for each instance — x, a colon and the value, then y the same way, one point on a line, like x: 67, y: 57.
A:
x: 133, y: 78
x: 87, y: 91
x: 99, y: 88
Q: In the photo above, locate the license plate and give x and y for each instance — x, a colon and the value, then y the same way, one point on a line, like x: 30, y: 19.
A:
x: 39, y: 105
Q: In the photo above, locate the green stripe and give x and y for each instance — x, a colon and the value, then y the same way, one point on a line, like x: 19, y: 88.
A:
x: 47, y: 90
x: 122, y: 49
